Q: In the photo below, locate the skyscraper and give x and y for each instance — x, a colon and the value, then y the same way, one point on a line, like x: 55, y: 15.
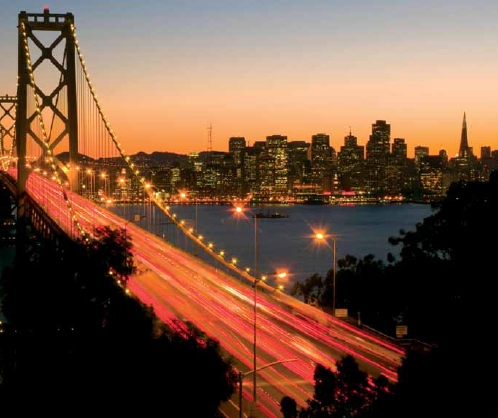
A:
x: 350, y: 162
x: 236, y: 148
x: 277, y: 150
x: 399, y: 150
x: 465, y: 164
x: 464, y: 151
x: 378, y: 152
x: 486, y: 152
x: 420, y: 152
x: 321, y: 159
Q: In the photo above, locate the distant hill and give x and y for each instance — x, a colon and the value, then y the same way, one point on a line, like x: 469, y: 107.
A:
x: 156, y: 158
x: 161, y: 158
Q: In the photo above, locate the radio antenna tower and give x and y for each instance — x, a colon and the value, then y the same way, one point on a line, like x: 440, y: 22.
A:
x: 210, y: 138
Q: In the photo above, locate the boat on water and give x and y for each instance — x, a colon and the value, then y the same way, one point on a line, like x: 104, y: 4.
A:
x: 270, y: 215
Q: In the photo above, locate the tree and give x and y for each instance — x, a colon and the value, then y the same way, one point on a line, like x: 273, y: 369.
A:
x: 322, y: 403
x: 288, y: 407
x: 443, y: 288
x: 111, y: 248
x: 346, y: 392
x: 448, y: 271
x: 310, y: 289
x: 77, y: 343
x: 352, y: 395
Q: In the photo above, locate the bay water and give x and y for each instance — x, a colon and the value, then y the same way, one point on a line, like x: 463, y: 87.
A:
x: 285, y: 243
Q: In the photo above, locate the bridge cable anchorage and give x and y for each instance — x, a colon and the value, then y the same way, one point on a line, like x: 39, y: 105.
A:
x: 149, y: 190
x: 45, y: 137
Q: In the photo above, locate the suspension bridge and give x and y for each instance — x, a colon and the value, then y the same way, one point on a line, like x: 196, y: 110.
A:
x: 59, y: 156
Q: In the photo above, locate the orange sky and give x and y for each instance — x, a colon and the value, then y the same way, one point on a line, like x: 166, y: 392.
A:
x: 165, y: 71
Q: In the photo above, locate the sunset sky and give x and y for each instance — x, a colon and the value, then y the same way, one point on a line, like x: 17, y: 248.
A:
x: 165, y: 70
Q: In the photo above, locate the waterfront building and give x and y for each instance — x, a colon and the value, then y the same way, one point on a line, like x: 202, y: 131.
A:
x: 321, y: 162
x: 251, y: 169
x: 236, y: 148
x: 276, y: 146
x: 299, y: 164
x: 378, y: 153
x: 350, y: 164
x: 397, y: 176
x: 267, y: 176
x: 431, y: 177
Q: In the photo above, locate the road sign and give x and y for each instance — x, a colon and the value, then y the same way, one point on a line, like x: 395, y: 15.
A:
x: 401, y: 331
x: 341, y: 313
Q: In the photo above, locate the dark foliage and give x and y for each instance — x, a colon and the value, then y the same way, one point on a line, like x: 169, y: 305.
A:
x: 288, y: 407
x: 77, y: 344
x: 346, y: 392
x: 443, y: 288
x: 310, y: 289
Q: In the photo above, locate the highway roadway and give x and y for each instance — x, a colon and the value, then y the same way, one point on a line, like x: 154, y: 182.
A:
x: 181, y: 288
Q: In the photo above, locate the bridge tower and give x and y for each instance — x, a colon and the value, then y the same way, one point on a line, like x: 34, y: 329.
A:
x: 7, y: 123
x: 30, y: 24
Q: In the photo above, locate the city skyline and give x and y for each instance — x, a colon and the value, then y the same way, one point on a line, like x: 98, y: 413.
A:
x: 164, y: 73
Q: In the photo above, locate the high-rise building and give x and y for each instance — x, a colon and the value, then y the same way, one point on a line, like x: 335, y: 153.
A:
x: 488, y: 163
x: 277, y: 149
x: 399, y: 150
x: 397, y: 176
x: 236, y: 148
x: 431, y: 176
x: 420, y: 152
x: 351, y: 164
x: 267, y: 176
x: 321, y: 160
x: 444, y: 157
x: 251, y: 169
x: 486, y: 152
x: 378, y: 152
x: 464, y: 166
x: 259, y: 144
x: 464, y: 151
x: 299, y: 164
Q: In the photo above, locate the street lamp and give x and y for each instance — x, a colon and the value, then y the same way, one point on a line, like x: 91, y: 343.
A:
x: 184, y: 197
x: 195, y: 224
x: 321, y: 237
x: 91, y: 191
x: 242, y: 375
x: 238, y: 211
x: 103, y: 177
x: 255, y: 287
x: 257, y: 279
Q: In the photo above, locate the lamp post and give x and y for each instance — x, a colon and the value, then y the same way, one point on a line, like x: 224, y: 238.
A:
x: 321, y: 237
x: 257, y: 279
x: 242, y: 375
x: 238, y: 210
x: 255, y: 352
x: 91, y: 185
x: 195, y: 224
